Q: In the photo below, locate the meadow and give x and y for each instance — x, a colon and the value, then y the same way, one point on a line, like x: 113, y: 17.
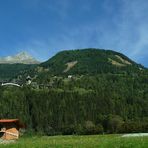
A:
x: 94, y: 141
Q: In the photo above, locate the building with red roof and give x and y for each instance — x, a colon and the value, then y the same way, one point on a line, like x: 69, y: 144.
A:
x: 10, y: 129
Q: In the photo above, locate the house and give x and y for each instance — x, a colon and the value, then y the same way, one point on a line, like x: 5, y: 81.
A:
x: 10, y: 129
x: 28, y: 80
x: 69, y: 76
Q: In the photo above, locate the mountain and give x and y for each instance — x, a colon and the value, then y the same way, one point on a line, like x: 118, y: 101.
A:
x: 11, y: 66
x: 89, y: 61
x: 70, y: 62
x: 23, y: 58
x: 108, y: 93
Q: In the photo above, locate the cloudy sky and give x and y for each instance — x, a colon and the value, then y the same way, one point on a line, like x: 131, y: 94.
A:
x: 44, y: 27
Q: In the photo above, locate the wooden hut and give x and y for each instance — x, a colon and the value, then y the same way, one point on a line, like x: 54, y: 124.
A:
x: 10, y: 129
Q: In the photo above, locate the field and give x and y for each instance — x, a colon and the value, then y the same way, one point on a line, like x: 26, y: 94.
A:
x: 98, y: 141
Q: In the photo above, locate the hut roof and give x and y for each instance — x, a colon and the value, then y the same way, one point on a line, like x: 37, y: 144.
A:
x: 3, y: 121
x: 8, y: 120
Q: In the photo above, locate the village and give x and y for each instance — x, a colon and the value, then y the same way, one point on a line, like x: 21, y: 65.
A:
x: 31, y: 81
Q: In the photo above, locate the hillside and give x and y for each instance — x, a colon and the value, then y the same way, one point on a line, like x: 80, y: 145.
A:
x: 10, y: 71
x: 74, y: 62
x: 108, y: 93
x: 89, y: 61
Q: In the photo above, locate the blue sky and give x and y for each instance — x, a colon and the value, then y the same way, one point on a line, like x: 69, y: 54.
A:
x: 44, y: 27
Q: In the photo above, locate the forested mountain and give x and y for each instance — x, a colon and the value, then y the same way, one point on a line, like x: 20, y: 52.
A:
x: 90, y: 61
x: 107, y: 93
x: 75, y: 62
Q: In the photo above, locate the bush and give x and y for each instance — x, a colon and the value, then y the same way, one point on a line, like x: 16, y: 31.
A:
x: 114, y: 124
x: 68, y: 130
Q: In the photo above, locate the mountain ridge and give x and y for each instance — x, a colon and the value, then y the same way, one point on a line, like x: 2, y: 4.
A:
x: 89, y: 60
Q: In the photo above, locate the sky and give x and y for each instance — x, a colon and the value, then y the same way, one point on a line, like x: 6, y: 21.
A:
x: 45, y: 27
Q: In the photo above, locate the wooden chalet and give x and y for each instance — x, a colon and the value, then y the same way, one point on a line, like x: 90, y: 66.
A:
x: 10, y: 129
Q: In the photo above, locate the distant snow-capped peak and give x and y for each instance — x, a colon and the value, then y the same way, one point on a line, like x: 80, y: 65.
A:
x: 22, y: 57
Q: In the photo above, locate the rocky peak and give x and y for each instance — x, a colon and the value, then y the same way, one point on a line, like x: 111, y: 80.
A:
x: 22, y: 57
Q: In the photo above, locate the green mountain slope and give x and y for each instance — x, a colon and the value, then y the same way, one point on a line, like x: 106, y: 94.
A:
x: 9, y: 71
x: 89, y: 61
x: 75, y: 62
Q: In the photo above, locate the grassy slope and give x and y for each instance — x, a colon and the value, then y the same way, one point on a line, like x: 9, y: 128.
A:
x: 98, y: 141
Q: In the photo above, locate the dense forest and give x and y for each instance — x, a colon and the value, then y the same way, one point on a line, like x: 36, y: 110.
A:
x: 107, y: 93
x: 89, y: 105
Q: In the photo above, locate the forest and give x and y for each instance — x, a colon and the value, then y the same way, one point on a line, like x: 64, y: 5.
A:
x: 90, y: 104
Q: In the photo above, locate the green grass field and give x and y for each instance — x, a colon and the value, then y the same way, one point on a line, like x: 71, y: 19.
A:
x: 96, y: 141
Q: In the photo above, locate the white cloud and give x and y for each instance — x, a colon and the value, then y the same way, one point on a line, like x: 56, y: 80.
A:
x: 134, y: 24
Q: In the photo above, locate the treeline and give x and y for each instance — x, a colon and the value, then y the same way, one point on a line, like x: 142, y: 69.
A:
x: 104, y: 103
